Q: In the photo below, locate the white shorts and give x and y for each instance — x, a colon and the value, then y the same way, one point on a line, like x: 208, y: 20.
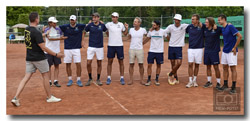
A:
x: 229, y: 59
x: 92, y: 51
x: 195, y: 55
x: 139, y: 54
x: 70, y: 54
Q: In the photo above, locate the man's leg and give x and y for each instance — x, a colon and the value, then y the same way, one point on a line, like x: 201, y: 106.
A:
x: 131, y: 71
x: 49, y: 73
x: 225, y: 75
x: 22, y: 84
x: 121, y: 64
x: 234, y: 78
x: 78, y: 73
x: 141, y: 69
x: 50, y: 98
x: 68, y: 70
x: 109, y: 70
x: 109, y: 66
x: 89, y: 68
x: 99, y: 69
x: 217, y: 74
x: 209, y: 77
x: 158, y: 71
x: 45, y: 84
x: 56, y: 73
x: 149, y: 71
x: 69, y: 73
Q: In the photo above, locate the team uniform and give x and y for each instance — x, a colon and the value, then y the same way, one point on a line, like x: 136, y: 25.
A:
x: 177, y: 40
x: 156, y: 46
x: 136, y: 46
x: 212, y: 46
x: 53, y: 45
x: 35, y: 57
x: 229, y: 35
x: 72, y: 44
x: 95, y: 40
x: 115, y: 44
x: 196, y: 43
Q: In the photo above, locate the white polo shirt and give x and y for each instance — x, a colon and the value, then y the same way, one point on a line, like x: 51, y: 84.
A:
x: 177, y: 38
x: 53, y: 45
x: 157, y: 41
x: 115, y: 33
x: 137, y: 38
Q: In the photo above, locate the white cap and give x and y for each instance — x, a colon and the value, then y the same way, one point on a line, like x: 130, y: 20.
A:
x: 177, y: 16
x: 72, y: 17
x: 52, y: 19
x: 115, y: 14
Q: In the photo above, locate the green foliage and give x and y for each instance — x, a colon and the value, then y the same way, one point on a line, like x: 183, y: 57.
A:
x: 13, y: 13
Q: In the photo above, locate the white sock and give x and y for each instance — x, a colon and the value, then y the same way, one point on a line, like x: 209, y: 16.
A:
x: 190, y: 79
x: 109, y: 77
x: 70, y: 77
x: 209, y: 78
x: 49, y: 80
x: 194, y: 78
x: 78, y: 78
x: 121, y: 76
x: 218, y: 80
x: 55, y: 80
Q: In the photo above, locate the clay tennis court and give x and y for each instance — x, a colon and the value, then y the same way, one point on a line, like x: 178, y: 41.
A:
x: 116, y: 99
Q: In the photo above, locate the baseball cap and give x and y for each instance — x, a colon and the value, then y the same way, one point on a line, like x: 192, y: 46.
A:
x: 178, y: 17
x: 96, y: 14
x: 52, y: 19
x: 115, y: 14
x: 72, y: 17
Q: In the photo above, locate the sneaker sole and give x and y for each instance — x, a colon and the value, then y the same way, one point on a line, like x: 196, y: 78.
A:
x: 15, y: 104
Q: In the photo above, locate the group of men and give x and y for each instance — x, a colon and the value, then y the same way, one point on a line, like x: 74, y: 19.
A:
x: 73, y: 36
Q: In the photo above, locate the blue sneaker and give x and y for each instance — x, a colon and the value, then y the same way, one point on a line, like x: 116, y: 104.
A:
x: 122, y: 81
x: 79, y: 83
x: 108, y: 81
x: 70, y: 83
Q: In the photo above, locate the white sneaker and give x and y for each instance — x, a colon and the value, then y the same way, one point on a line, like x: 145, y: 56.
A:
x: 195, y: 84
x: 15, y: 102
x: 53, y: 99
x: 190, y: 84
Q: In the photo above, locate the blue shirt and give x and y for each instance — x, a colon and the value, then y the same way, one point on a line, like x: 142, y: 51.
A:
x: 196, y: 36
x: 229, y: 36
x: 96, y: 34
x: 74, y: 35
x: 212, y: 39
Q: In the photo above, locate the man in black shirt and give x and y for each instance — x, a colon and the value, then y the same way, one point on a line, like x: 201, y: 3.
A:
x: 36, y: 59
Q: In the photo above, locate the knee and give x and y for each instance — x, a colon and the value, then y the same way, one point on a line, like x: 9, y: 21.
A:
x: 190, y: 65
x: 225, y: 68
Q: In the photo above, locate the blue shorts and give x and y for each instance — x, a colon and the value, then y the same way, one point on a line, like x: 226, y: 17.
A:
x: 155, y: 56
x: 211, y: 58
x: 174, y: 53
x: 118, y: 50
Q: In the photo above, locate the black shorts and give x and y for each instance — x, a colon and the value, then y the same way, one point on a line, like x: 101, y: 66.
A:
x: 53, y: 60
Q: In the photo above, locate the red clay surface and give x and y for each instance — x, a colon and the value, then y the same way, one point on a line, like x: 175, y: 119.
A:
x: 115, y: 99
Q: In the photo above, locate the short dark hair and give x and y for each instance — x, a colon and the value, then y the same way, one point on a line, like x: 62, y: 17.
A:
x: 33, y: 16
x: 197, y: 16
x: 223, y: 16
x: 157, y: 22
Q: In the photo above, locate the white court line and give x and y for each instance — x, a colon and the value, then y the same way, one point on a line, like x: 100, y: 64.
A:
x: 124, y: 108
